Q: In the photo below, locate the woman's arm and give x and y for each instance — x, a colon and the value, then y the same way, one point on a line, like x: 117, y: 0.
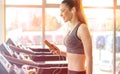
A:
x: 63, y: 53
x: 54, y: 49
x: 84, y: 35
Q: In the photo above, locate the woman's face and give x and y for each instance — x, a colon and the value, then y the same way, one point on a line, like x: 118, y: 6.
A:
x: 66, y: 13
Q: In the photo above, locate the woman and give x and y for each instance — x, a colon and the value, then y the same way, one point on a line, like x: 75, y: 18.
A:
x: 78, y: 41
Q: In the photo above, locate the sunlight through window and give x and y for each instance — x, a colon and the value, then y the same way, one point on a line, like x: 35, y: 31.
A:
x: 98, y: 3
x: 24, y: 2
x: 53, y: 1
x: 118, y: 2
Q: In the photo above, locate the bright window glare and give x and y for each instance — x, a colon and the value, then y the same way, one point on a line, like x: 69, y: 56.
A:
x: 22, y: 16
x: 50, y: 11
x: 118, y: 2
x: 99, y: 3
x: 99, y: 13
x: 54, y: 1
x: 21, y: 20
x: 24, y: 2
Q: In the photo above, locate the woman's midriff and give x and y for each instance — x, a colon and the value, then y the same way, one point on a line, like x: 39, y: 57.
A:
x: 76, y: 62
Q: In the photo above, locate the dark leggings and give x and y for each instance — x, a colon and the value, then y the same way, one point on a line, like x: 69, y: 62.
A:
x: 76, y: 72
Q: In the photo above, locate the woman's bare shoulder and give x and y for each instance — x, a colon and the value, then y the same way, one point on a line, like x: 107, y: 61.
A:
x: 83, y: 30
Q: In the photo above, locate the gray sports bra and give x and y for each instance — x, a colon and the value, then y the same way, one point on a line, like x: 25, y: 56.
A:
x: 73, y: 43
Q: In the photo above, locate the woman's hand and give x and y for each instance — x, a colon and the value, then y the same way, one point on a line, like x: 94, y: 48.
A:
x: 54, y: 49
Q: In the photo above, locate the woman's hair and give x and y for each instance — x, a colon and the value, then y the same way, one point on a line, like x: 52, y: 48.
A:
x: 79, y: 9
